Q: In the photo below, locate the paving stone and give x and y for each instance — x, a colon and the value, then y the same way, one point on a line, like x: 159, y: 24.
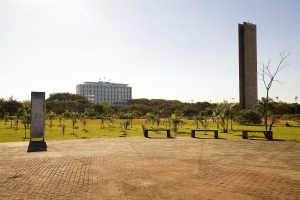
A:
x: 142, y: 168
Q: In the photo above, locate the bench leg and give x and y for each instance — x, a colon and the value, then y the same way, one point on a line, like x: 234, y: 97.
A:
x: 245, y: 135
x: 216, y: 134
x: 270, y: 135
x: 168, y: 133
x: 146, y: 133
x: 193, y: 134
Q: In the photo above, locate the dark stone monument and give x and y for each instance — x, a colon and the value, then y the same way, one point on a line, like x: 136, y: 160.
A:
x: 247, y: 65
x: 38, y: 107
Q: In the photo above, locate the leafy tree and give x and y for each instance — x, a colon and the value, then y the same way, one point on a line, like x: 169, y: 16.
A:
x: 11, y: 118
x: 249, y: 117
x: 284, y: 108
x: 66, y: 96
x: 10, y: 106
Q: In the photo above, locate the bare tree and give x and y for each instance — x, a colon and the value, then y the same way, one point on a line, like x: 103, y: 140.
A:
x: 269, y: 77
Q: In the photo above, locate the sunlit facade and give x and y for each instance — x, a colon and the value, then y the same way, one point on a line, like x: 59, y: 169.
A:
x: 115, y: 94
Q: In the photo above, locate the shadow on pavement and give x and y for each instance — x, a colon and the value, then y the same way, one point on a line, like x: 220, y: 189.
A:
x: 210, y: 138
x: 35, y: 146
x: 161, y: 137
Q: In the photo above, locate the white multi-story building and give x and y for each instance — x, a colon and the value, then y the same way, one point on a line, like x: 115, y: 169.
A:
x: 116, y: 94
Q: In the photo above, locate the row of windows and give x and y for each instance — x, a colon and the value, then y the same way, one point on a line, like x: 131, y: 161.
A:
x: 107, y: 100
x: 103, y: 95
x: 106, y: 88
x: 100, y: 91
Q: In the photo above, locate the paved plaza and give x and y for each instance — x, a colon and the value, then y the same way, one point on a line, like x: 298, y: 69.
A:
x: 151, y: 168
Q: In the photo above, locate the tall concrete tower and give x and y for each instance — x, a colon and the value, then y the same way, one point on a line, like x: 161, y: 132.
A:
x: 247, y: 65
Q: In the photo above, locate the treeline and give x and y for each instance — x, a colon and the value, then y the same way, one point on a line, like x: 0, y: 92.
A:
x: 60, y: 102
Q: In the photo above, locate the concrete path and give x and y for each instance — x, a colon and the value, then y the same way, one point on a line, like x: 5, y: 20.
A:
x: 151, y: 168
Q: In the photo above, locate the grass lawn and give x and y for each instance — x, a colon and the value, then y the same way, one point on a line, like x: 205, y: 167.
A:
x: 93, y: 130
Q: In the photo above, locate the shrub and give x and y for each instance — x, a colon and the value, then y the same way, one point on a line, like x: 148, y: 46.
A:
x: 287, y: 116
x: 249, y: 117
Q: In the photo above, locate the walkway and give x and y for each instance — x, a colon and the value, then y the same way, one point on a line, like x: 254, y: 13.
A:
x: 151, y: 168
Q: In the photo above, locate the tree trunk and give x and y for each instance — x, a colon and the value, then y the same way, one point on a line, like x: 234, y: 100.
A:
x: 266, y: 110
x: 227, y: 124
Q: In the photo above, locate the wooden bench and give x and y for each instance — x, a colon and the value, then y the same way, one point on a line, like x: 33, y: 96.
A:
x: 215, y: 132
x: 268, y: 135
x: 158, y: 129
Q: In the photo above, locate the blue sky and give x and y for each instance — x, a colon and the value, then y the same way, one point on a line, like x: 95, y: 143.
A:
x: 167, y: 49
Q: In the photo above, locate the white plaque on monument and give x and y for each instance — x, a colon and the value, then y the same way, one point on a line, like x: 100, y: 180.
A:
x: 37, y: 128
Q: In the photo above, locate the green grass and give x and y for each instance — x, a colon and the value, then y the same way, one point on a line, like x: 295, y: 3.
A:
x: 93, y: 130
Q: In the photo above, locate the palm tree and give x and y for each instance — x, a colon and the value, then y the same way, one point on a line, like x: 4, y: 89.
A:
x: 103, y: 117
x: 217, y: 112
x: 176, y: 121
x: 50, y: 116
x: 232, y: 113
x: 261, y: 104
x: 226, y: 112
x: 197, y: 119
x: 204, y: 124
x: 73, y: 116
x: 83, y: 119
x: 60, y: 119
x: 265, y: 107
x: 124, y: 126
x: 151, y: 117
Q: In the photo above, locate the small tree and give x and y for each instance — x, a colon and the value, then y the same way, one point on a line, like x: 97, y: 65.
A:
x: 63, y: 129
x: 176, y: 121
x: 11, y: 118
x: 103, y: 117
x: 217, y: 112
x: 73, y: 116
x: 124, y: 126
x: 60, y: 119
x: 50, y: 116
x: 25, y: 120
x: 197, y: 119
x: 204, y: 124
x: 269, y: 77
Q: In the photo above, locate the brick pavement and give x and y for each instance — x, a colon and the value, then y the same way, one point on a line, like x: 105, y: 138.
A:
x: 141, y: 168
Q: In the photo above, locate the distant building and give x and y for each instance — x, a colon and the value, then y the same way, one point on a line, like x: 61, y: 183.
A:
x: 116, y: 94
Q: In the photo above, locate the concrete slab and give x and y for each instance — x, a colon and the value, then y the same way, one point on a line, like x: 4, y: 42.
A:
x: 151, y: 168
